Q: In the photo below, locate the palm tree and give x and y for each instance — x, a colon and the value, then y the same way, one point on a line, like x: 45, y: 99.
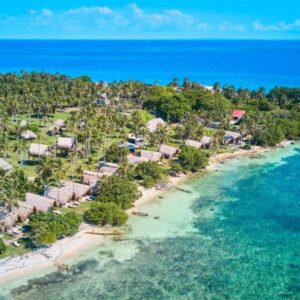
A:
x: 125, y: 170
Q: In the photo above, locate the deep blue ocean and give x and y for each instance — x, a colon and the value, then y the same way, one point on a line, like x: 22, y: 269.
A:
x: 243, y: 63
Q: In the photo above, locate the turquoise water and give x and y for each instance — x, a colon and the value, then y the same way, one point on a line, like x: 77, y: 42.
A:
x: 236, y: 235
x: 250, y: 64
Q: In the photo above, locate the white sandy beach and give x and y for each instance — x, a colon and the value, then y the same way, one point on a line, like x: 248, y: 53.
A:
x: 71, y: 247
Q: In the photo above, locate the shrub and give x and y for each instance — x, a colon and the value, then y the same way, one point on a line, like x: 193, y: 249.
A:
x: 120, y: 191
x: 46, y: 228
x: 2, y: 247
x: 192, y: 159
x: 149, y: 172
x: 105, y: 213
x: 116, y: 154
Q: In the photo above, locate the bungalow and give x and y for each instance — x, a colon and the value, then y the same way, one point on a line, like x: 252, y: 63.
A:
x: 28, y: 135
x: 67, y: 192
x: 39, y: 150
x: 101, y: 99
x: 153, y: 124
x: 5, y: 166
x: 91, y: 178
x: 237, y: 116
x: 40, y: 203
x: 136, y: 140
x: 151, y: 155
x: 168, y: 151
x: 193, y: 143
x: 108, y: 170
x: 206, y: 141
x: 65, y: 143
x: 232, y: 137
x: 135, y: 160
x: 7, y: 221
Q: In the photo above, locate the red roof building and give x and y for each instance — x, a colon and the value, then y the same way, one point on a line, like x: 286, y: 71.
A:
x: 238, y: 114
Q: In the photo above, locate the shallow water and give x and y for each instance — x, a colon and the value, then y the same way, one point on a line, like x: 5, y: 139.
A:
x: 235, y: 236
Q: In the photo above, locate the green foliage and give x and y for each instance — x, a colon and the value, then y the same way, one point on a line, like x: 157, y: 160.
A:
x: 46, y: 228
x: 270, y: 135
x: 3, y: 247
x: 116, y: 154
x: 106, y: 213
x: 149, y: 172
x: 171, y: 108
x: 120, y: 191
x: 290, y: 128
x: 284, y: 95
x: 192, y: 159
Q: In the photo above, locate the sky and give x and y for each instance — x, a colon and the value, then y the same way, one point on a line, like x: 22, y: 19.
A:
x: 155, y: 19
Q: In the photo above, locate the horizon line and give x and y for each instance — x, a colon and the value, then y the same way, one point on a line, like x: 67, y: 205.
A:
x: 149, y: 39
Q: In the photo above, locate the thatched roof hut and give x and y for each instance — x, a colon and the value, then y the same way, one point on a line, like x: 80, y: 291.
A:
x: 233, y: 137
x: 4, y: 165
x: 108, y: 170
x: 193, y: 143
x: 7, y: 221
x: 67, y: 192
x: 91, y: 178
x: 28, y: 135
x: 23, y: 211
x: 152, y: 125
x: 65, y: 143
x: 135, y: 160
x: 151, y: 155
x: 41, y: 203
x: 39, y: 150
x: 206, y: 141
x: 168, y: 151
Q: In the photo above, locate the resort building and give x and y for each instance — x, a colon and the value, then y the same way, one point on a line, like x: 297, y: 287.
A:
x: 67, y: 192
x: 206, y: 141
x: 66, y: 143
x: 5, y: 166
x: 40, y: 203
x: 237, y: 116
x: 135, y: 160
x: 193, y: 143
x: 28, y: 135
x: 39, y: 150
x: 153, y: 124
x: 101, y: 99
x: 168, y: 151
x: 151, y: 155
x: 137, y: 140
x: 90, y: 177
x: 107, y: 169
x: 232, y: 137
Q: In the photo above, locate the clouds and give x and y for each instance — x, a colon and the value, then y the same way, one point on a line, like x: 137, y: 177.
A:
x: 173, y: 17
x: 102, y: 10
x: 132, y: 20
x: 47, y: 12
x: 228, y: 26
x: 279, y: 27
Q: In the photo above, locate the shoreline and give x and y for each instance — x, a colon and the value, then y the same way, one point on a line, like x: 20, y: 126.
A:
x: 15, y: 268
